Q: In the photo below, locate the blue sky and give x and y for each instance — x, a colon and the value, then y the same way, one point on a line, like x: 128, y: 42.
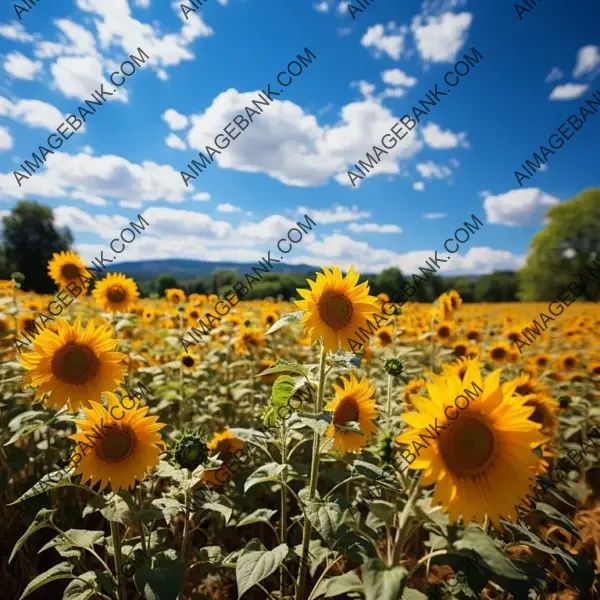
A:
x: 294, y: 158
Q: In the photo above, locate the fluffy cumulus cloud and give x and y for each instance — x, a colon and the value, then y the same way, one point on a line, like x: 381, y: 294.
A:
x: 337, y: 214
x: 429, y: 170
x: 387, y: 39
x: 568, y: 91
x: 588, y: 61
x: 174, y: 119
x: 398, y: 77
x: 440, y: 38
x: 21, y: 67
x: 33, y: 113
x: 554, y: 75
x: 518, y: 208
x: 16, y: 32
x: 6, y: 141
x: 373, y: 228
x: 418, y: 186
x: 289, y: 145
x: 322, y: 6
x: 228, y: 208
x: 175, y: 142
x: 108, y: 177
x: 442, y: 140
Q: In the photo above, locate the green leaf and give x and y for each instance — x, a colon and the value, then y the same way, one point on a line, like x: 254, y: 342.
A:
x: 410, y: 594
x: 349, y: 360
x: 41, y: 520
x: 494, y: 559
x: 261, y: 515
x: 255, y: 565
x: 326, y: 518
x: 220, y: 508
x: 81, y: 590
x: 169, y: 506
x: 283, y: 389
x: 211, y: 554
x: 62, y: 570
x: 268, y: 472
x: 282, y: 366
x: 555, y: 515
x: 382, y: 509
x: 164, y: 579
x: 285, y: 320
x: 50, y: 481
x: 348, y: 582
x: 318, y: 423
x: 382, y: 583
x: 117, y: 510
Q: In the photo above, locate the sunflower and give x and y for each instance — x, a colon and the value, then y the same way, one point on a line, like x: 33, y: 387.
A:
x: 26, y: 321
x: 65, y: 268
x: 149, y: 315
x: 226, y: 445
x: 175, y: 295
x: 482, y: 462
x: 269, y: 318
x: 335, y: 307
x: 4, y: 326
x: 353, y: 402
x: 594, y: 369
x: 569, y: 361
x: 545, y: 411
x: 74, y: 365
x: 500, y: 353
x: 512, y: 334
x: 445, y: 330
x: 33, y: 304
x: 116, y: 293
x: 385, y: 335
x: 527, y: 385
x: 459, y: 367
x: 541, y: 361
x: 455, y: 300
x: 473, y: 332
x: 188, y: 361
x: 412, y: 387
x: 122, y: 449
x: 460, y: 348
x: 248, y: 339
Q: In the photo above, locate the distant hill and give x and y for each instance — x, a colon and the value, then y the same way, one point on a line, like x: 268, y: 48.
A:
x: 189, y: 269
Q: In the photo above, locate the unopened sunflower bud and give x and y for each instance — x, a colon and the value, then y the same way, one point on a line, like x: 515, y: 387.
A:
x: 394, y: 367
x: 190, y: 451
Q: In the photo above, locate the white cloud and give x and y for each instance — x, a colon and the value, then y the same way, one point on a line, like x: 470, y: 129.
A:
x: 435, y: 215
x: 175, y: 142
x: 87, y: 149
x: 337, y: 214
x: 418, y: 186
x: 322, y: 7
x: 33, y: 113
x: 568, y: 91
x: 16, y: 32
x: 398, y: 77
x: 484, y: 260
x: 228, y: 208
x: 104, y: 226
x: 88, y: 198
x: 21, y: 67
x: 518, y: 208
x: 201, y: 197
x: 554, y: 75
x: 429, y: 170
x: 290, y: 145
x: 365, y: 88
x: 342, y: 7
x: 131, y: 204
x: 142, y: 3
x: 440, y: 38
x: 391, y: 43
x: 6, y: 141
x: 174, y: 119
x: 588, y: 60
x: 442, y: 140
x: 373, y: 228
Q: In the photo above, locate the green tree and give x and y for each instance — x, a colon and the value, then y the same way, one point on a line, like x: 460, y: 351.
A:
x: 29, y: 239
x: 164, y: 282
x: 564, y: 248
x: 497, y: 287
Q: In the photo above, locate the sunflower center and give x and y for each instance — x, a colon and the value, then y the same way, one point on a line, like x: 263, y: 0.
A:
x: 498, y: 353
x: 335, y: 309
x: 473, y: 335
x: 538, y: 414
x: 468, y: 447
x: 542, y: 361
x: 188, y: 361
x: 116, y: 294
x: 569, y: 362
x: 117, y: 444
x: 75, y: 364
x: 346, y: 411
x: 270, y: 319
x: 384, y: 336
x: 70, y: 271
x: 460, y: 350
x: 444, y: 331
x: 524, y: 390
x: 194, y: 314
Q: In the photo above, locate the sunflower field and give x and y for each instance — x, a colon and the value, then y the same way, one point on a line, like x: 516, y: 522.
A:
x: 272, y: 460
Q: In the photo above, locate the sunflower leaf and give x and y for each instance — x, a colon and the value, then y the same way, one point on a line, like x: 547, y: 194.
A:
x: 260, y: 515
x: 220, y: 508
x: 268, y: 472
x: 49, y: 481
x: 349, y: 360
x: 382, y: 583
x: 255, y: 565
x: 282, y: 366
x: 285, y: 320
x: 117, y: 510
x: 326, y: 518
x: 342, y: 584
x: 41, y: 520
x: 169, y: 506
x: 82, y: 588
x: 62, y: 570
x: 164, y: 579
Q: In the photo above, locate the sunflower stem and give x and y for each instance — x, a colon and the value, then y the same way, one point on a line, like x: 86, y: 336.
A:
x: 314, y: 474
x: 389, y: 397
x: 283, y: 525
x: 114, y: 532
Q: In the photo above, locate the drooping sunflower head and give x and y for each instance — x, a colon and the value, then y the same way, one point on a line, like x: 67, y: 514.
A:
x: 480, y: 457
x: 175, y: 295
x: 335, y: 307
x: 116, y: 293
x: 227, y: 446
x: 455, y: 300
x: 75, y: 365
x: 353, y: 403
x: 65, y: 268
x: 188, y: 361
x: 248, y: 340
x: 124, y: 445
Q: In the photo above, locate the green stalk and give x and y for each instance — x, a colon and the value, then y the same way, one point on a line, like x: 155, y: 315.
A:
x: 389, y: 397
x: 283, y: 524
x: 121, y: 589
x: 314, y: 474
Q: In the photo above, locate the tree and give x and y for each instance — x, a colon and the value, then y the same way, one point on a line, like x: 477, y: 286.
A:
x: 497, y: 287
x: 30, y: 238
x: 164, y: 282
x: 564, y: 248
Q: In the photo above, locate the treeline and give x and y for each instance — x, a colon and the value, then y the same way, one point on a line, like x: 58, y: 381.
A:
x: 496, y: 287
